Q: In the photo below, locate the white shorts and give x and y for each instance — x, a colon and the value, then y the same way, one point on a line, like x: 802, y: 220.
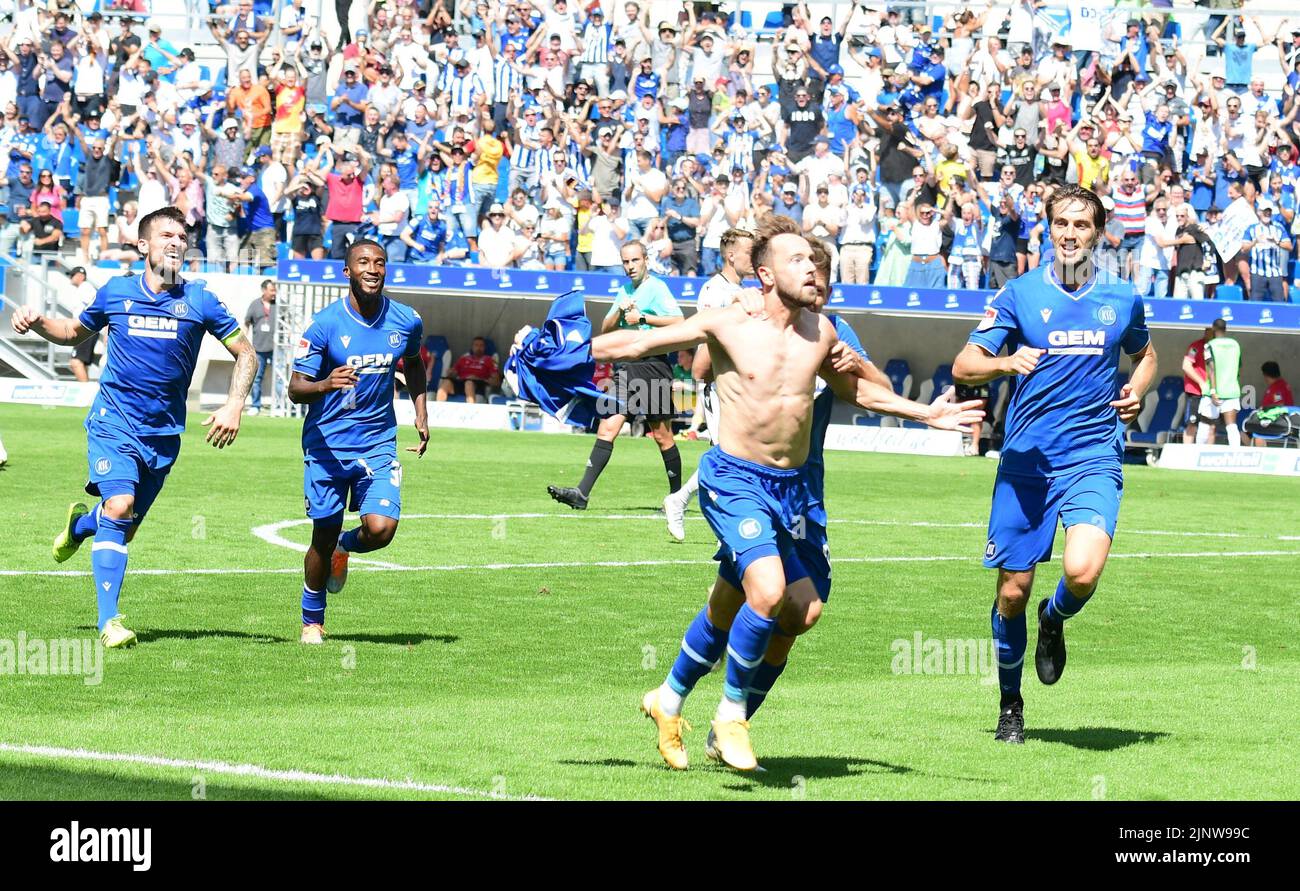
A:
x: 711, y: 413
x: 1207, y: 408
x: 93, y: 212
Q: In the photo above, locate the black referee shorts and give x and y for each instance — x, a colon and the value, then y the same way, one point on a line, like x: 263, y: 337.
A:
x: 85, y: 351
x: 642, y: 389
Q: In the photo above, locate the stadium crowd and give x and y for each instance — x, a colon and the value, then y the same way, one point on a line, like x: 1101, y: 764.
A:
x: 918, y: 145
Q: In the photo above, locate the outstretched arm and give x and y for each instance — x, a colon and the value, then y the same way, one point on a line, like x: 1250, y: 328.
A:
x: 624, y: 346
x: 223, y: 423
x: 945, y: 413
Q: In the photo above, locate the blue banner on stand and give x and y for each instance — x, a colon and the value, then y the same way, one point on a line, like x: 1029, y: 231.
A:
x: 1162, y: 312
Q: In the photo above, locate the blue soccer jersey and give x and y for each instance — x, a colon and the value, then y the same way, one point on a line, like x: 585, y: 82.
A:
x: 1059, y: 417
x: 356, y: 422
x: 154, y: 342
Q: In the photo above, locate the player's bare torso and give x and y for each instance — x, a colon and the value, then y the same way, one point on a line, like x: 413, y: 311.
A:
x: 764, y: 377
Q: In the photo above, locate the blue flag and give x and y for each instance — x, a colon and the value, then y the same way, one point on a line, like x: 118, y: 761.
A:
x: 553, y: 367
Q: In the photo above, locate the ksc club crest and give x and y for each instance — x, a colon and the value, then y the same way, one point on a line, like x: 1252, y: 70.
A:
x: 1106, y: 315
x: 395, y: 340
x: 749, y: 528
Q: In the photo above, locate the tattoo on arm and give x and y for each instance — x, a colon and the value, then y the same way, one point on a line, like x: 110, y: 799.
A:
x: 241, y: 379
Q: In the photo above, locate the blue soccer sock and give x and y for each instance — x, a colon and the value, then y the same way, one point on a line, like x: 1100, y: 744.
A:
x: 746, y: 645
x: 86, y: 525
x: 351, y: 542
x: 313, y: 606
x: 1010, y: 638
x: 760, y: 685
x: 702, y: 647
x: 108, y: 560
x: 1063, y: 604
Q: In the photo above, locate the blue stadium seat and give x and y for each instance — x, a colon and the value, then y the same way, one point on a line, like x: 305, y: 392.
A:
x: 456, y: 397
x: 1229, y: 292
x: 899, y: 373
x: 1165, y: 416
x: 440, y: 352
x: 497, y: 399
x: 866, y: 420
x: 71, y: 222
x: 746, y: 21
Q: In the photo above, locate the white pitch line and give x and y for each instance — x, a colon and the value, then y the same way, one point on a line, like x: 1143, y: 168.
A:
x: 614, y: 564
x: 253, y: 770
x: 269, y: 532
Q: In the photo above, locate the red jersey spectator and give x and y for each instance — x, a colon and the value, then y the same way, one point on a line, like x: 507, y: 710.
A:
x: 1276, y: 390
x: 1194, y: 383
x: 472, y: 371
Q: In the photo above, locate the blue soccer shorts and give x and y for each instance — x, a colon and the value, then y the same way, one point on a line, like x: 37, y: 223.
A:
x: 122, y: 463
x: 371, y: 484
x: 757, y: 511
x: 1022, y: 523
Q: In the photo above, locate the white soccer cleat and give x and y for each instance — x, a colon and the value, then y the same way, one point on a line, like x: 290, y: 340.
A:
x: 4, y: 456
x: 675, y: 512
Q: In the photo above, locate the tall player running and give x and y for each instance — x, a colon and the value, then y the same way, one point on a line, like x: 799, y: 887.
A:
x: 344, y: 369
x: 718, y: 292
x: 155, y: 325
x: 756, y: 490
x: 1063, y: 329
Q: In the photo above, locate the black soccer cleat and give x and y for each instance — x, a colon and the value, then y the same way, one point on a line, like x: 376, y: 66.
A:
x: 1049, y: 655
x: 1011, y: 723
x: 573, y: 497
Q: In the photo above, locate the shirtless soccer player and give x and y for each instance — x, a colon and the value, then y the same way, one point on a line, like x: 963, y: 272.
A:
x: 753, y: 491
x: 798, y: 613
x: 1064, y: 330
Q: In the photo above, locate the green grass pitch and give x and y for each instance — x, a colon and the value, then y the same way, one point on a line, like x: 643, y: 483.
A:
x: 472, y: 664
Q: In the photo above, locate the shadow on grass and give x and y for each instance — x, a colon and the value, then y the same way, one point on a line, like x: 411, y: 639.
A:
x: 28, y: 782
x: 155, y: 634
x: 777, y: 771
x: 1095, y: 739
x: 783, y: 771
x: 401, y: 640
x: 395, y: 639
x: 601, y: 762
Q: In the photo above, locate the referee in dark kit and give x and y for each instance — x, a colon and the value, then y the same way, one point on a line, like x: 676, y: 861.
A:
x: 643, y: 388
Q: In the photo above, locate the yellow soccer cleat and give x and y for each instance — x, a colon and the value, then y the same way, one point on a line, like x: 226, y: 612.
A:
x: 729, y: 743
x: 670, y: 731
x: 65, y: 545
x: 115, y: 634
x: 312, y: 634
x: 338, y: 571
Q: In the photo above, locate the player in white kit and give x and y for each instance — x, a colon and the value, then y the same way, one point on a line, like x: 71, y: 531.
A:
x: 718, y: 292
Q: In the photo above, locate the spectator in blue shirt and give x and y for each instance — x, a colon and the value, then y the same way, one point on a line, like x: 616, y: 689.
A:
x: 426, y: 238
x: 647, y: 82
x: 788, y: 204
x: 349, y: 102
x: 681, y: 211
